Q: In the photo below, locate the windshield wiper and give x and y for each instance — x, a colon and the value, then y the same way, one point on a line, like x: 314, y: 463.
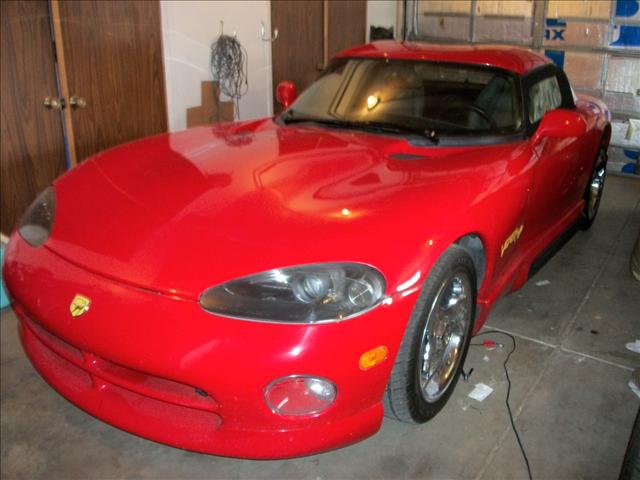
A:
x: 374, y: 126
x: 429, y: 134
x: 291, y: 118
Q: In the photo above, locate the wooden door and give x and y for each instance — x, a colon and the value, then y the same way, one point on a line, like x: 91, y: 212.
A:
x: 347, y: 25
x: 309, y: 33
x: 297, y: 54
x: 32, y: 145
x: 111, y: 57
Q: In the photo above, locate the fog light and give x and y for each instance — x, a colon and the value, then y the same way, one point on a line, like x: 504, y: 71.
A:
x: 300, y: 395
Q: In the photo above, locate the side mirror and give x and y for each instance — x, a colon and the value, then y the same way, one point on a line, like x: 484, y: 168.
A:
x: 286, y: 93
x: 559, y: 123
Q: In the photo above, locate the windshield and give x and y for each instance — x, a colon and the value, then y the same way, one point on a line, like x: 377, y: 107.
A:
x: 407, y: 95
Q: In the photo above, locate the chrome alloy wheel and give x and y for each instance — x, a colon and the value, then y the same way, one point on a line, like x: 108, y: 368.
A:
x: 596, y: 185
x: 444, y: 336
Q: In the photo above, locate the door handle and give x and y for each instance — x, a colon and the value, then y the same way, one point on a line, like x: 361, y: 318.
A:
x: 54, y: 103
x: 77, y: 102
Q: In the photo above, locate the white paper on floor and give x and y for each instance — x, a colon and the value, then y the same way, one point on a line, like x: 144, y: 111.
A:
x: 480, y: 392
x: 634, y: 346
x: 634, y: 388
x: 542, y: 283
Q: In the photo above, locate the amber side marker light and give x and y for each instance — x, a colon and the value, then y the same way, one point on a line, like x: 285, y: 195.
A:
x: 373, y: 357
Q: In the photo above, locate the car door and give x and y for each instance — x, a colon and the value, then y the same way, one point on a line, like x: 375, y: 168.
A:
x: 557, y: 159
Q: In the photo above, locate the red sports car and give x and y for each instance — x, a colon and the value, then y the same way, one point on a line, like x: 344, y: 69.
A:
x: 271, y: 288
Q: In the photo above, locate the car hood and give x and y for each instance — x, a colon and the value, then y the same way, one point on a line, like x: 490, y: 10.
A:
x: 182, y: 212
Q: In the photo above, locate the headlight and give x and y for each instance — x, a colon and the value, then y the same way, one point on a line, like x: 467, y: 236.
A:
x: 303, y: 294
x: 35, y: 225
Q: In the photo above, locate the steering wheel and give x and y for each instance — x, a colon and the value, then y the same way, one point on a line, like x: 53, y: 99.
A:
x: 483, y: 113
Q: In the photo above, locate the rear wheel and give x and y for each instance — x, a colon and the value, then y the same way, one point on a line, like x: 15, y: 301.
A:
x: 435, y: 342
x: 595, y: 187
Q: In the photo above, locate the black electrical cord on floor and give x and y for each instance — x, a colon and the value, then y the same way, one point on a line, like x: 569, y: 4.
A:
x: 506, y: 372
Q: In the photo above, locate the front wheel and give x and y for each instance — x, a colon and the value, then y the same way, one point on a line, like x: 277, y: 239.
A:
x: 593, y: 192
x: 435, y: 342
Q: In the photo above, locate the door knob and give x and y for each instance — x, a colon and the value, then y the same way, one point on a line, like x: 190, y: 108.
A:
x: 54, y: 103
x: 77, y: 102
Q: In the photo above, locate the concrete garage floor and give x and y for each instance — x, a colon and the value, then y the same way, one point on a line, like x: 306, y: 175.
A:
x: 570, y: 396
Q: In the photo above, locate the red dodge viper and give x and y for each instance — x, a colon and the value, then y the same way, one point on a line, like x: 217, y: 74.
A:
x: 272, y: 288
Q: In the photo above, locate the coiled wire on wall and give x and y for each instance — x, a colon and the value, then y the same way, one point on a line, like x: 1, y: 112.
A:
x: 229, y: 62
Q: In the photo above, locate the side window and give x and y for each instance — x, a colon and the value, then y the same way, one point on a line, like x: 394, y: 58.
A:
x: 543, y: 95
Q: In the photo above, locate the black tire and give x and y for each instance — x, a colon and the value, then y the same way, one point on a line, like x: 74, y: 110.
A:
x: 593, y: 193
x: 631, y: 464
x: 634, y: 264
x: 405, y: 398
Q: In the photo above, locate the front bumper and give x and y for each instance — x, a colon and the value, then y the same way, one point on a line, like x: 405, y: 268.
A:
x: 142, y: 361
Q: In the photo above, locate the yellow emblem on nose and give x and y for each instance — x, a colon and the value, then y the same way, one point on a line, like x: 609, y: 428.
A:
x: 79, y: 305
